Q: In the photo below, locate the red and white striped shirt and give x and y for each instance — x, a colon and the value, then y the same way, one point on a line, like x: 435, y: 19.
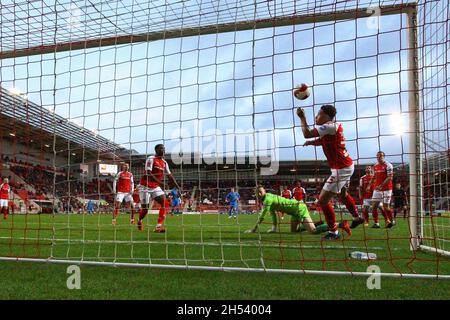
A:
x: 381, y: 172
x: 157, y: 166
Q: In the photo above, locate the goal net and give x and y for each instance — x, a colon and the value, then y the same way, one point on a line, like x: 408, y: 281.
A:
x: 434, y: 80
x: 89, y: 86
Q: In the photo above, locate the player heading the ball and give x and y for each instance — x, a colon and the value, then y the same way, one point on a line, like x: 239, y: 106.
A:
x: 330, y: 136
x: 150, y: 187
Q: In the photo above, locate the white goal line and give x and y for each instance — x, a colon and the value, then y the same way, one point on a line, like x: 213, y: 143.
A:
x: 53, y: 241
x: 229, y: 269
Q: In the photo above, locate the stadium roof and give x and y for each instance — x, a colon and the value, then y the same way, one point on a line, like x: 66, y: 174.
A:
x: 35, y: 27
x: 28, y: 123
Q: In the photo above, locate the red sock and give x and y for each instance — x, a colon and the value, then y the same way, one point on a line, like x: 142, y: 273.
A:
x: 384, y: 214
x: 139, y: 212
x: 375, y: 215
x: 132, y: 212
x: 5, y: 212
x: 116, y: 212
x: 142, y: 213
x: 330, y: 216
x: 349, y: 203
x: 388, y: 214
x: 366, y: 215
x: 162, y: 213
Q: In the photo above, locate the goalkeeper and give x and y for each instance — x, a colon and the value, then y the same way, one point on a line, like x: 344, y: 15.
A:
x: 297, y: 210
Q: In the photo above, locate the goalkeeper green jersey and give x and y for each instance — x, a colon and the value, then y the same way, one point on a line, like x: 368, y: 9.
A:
x: 273, y: 203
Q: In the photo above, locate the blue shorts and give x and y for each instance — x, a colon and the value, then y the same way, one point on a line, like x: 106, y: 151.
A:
x: 175, y: 203
x: 233, y: 205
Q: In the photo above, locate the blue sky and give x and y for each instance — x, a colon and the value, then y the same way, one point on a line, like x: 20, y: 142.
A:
x: 141, y: 94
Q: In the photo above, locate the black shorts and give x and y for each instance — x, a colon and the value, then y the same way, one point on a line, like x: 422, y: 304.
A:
x: 399, y: 205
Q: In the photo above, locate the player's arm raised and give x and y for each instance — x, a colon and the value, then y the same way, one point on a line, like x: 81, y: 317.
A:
x: 307, y: 131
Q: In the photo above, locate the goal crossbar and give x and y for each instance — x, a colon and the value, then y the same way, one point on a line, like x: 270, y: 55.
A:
x: 213, y: 29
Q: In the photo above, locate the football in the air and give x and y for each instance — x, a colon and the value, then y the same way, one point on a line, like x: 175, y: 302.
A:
x: 301, y: 92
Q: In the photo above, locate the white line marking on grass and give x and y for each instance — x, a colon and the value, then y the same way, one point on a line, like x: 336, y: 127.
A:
x: 188, y: 243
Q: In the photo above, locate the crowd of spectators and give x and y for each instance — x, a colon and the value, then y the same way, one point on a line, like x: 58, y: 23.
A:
x: 205, y: 194
x: 45, y: 182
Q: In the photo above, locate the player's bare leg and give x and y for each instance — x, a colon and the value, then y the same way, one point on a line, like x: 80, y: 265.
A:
x: 350, y: 204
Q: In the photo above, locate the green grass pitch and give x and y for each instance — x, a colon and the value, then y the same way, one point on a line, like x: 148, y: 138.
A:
x: 206, y: 240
